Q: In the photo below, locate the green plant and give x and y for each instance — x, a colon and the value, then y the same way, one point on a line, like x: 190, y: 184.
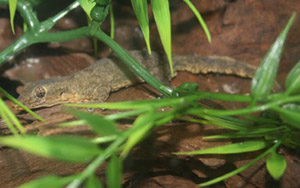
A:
x: 279, y: 127
x: 268, y: 132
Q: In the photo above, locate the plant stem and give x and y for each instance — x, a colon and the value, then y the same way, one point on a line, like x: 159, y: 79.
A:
x: 248, y: 110
x: 132, y: 63
x: 18, y: 45
x: 63, y: 36
x: 50, y: 22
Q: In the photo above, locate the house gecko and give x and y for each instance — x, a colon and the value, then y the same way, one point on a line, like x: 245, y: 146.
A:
x: 94, y: 83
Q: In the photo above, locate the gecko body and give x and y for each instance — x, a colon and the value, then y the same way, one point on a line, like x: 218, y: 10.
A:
x: 94, y: 83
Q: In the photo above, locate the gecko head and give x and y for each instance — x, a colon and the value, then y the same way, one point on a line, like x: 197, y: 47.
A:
x: 43, y: 93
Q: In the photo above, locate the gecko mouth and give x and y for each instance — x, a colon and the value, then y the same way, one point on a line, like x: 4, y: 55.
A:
x: 33, y: 106
x: 16, y: 107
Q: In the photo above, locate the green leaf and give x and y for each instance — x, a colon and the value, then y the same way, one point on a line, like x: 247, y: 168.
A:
x: 100, y: 124
x: 104, y: 139
x: 50, y: 181
x: 249, y: 133
x: 93, y: 182
x: 126, y: 105
x: 143, y: 125
x: 227, y: 122
x: 242, y: 168
x: 141, y: 11
x: 64, y: 148
x: 200, y: 19
x: 12, y: 11
x: 241, y: 147
x: 87, y: 6
x: 125, y: 114
x: 112, y: 21
x: 10, y: 119
x: 264, y: 77
x: 276, y: 165
x: 292, y: 82
x: 185, y: 89
x: 11, y: 98
x: 161, y: 14
x: 290, y: 113
x: 3, y: 113
x: 114, y: 172
x: 73, y: 123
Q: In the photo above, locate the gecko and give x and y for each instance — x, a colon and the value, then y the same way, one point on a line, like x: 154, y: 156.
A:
x: 94, y: 83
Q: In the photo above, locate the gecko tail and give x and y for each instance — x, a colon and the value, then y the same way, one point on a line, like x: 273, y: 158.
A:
x: 213, y: 64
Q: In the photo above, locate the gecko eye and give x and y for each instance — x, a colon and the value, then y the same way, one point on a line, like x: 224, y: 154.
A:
x: 40, y: 92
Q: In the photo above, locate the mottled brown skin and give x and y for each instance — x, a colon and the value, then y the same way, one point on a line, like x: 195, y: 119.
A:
x: 94, y: 83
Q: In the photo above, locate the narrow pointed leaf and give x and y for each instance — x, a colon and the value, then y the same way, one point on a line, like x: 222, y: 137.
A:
x: 114, y: 172
x: 87, y: 6
x: 112, y: 21
x: 264, y: 77
x: 100, y: 125
x: 50, y: 181
x: 73, y: 123
x: 141, y: 11
x: 141, y: 104
x: 12, y: 11
x: 227, y: 122
x: 231, y: 148
x: 249, y: 133
x: 276, y: 165
x: 200, y: 19
x: 292, y: 82
x: 64, y: 148
x: 8, y: 122
x: 162, y: 18
x: 11, y: 116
